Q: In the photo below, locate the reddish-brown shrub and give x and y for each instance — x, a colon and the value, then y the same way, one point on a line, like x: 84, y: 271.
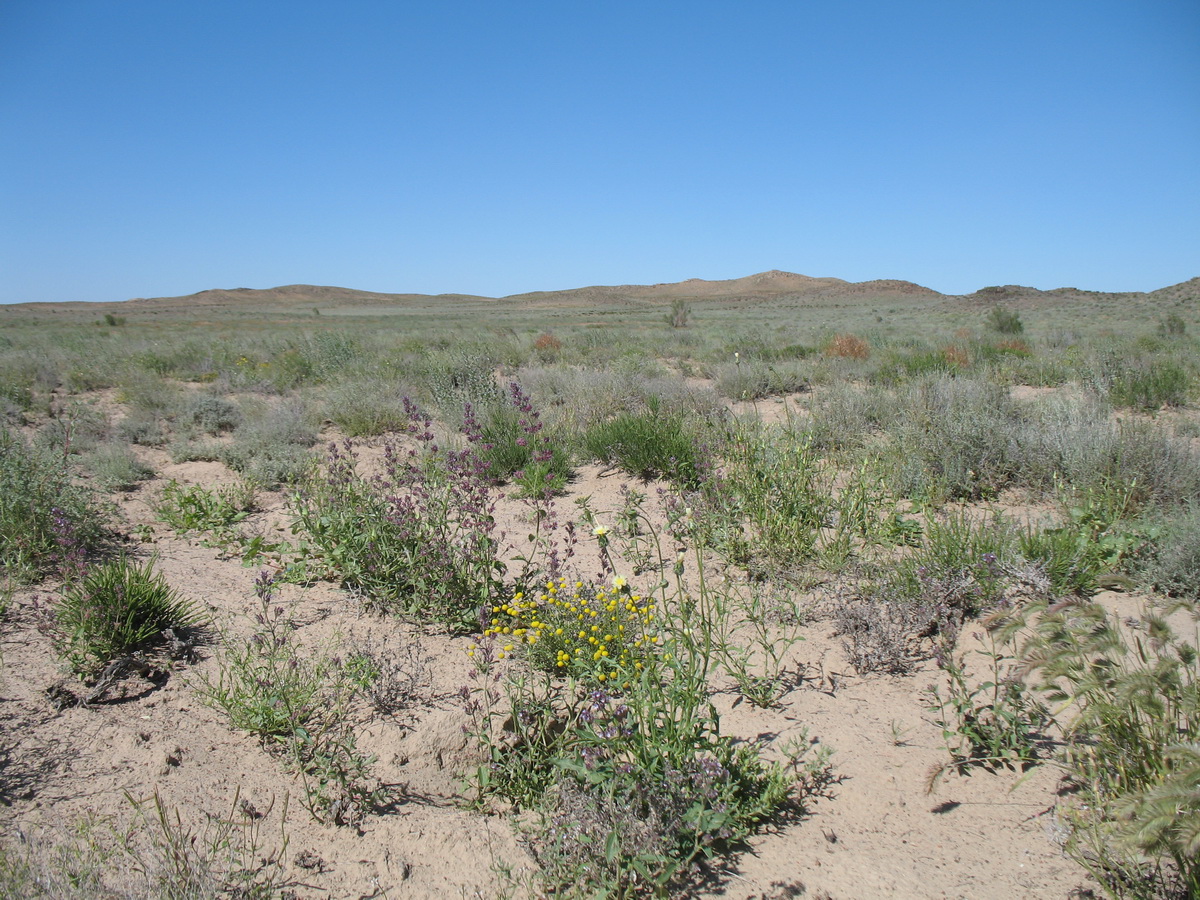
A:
x: 1015, y: 346
x: 848, y: 346
x: 956, y: 357
x: 547, y: 343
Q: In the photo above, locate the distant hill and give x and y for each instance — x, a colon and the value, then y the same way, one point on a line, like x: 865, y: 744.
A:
x: 1021, y: 295
x: 771, y: 285
x: 761, y: 286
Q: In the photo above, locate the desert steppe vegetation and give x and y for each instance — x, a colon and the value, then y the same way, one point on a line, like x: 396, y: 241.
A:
x: 770, y: 588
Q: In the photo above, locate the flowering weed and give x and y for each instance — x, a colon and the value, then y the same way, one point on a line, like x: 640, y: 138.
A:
x: 417, y: 539
x: 592, y: 633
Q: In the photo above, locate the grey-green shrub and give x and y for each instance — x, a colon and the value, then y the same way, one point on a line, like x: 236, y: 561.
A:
x: 273, y: 448
x: 1172, y: 563
x: 211, y: 414
x: 115, y: 467
x: 958, y: 439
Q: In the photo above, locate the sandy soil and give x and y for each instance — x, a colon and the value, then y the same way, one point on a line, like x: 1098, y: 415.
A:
x: 878, y: 834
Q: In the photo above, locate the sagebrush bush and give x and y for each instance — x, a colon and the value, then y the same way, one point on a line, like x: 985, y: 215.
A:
x: 211, y: 414
x: 845, y: 416
x: 273, y: 448
x: 957, y: 439
x: 1172, y: 563
x: 73, y: 428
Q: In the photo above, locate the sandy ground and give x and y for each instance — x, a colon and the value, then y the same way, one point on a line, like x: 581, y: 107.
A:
x: 878, y: 833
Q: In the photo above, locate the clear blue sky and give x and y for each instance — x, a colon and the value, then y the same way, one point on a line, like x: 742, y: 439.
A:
x: 162, y: 147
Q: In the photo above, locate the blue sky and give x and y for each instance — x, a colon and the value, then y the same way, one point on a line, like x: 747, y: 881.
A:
x: 160, y: 148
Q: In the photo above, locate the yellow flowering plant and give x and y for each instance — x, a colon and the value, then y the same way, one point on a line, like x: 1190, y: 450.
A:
x: 594, y: 633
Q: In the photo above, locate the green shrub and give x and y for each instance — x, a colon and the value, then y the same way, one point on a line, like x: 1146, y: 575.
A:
x: 963, y: 564
x: 1151, y: 385
x: 1005, y: 321
x: 188, y: 508
x: 1172, y: 326
x: 45, y: 516
x: 115, y: 608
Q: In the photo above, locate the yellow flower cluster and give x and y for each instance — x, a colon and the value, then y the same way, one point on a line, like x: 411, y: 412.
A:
x: 589, y: 631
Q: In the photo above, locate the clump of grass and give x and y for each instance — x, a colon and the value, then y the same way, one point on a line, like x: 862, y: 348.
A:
x: 115, y: 608
x: 753, y: 379
x: 144, y: 430
x: 766, y: 506
x: 367, y: 405
x: 159, y: 855
x: 845, y: 416
x: 1130, y: 691
x: 456, y: 378
x: 647, y: 444
x: 44, y: 514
